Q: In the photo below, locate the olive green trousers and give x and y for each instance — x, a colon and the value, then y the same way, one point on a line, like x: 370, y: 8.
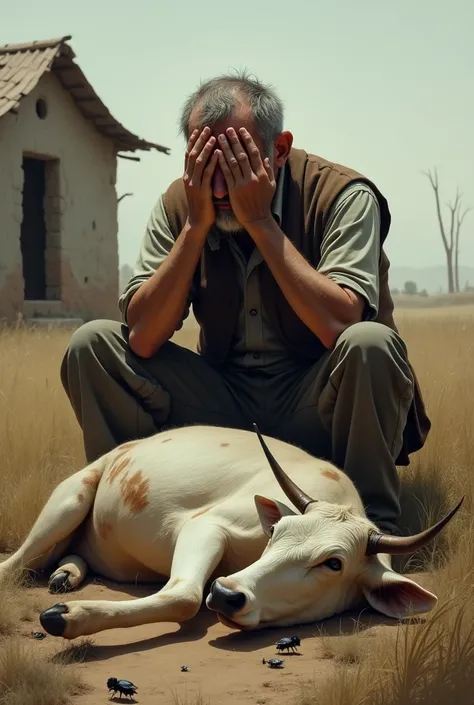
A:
x: 349, y: 407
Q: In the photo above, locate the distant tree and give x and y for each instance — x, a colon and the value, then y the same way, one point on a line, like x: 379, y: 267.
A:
x: 450, y: 239
x: 410, y: 288
x: 423, y: 292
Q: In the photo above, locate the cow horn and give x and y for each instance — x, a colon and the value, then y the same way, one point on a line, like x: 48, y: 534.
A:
x: 384, y: 543
x: 292, y: 491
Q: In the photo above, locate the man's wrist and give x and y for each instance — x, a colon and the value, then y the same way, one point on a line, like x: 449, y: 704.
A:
x: 262, y: 228
x: 196, y: 231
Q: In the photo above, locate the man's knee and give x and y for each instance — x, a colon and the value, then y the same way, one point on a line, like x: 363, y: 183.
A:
x: 372, y: 339
x: 95, y: 336
x: 91, y: 342
x: 376, y: 347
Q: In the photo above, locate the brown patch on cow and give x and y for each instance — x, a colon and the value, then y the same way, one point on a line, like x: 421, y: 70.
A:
x: 118, y: 467
x: 331, y: 475
x: 200, y: 513
x: 80, y: 497
x: 104, y: 529
x: 120, y: 460
x: 166, y: 440
x: 224, y: 445
x: 125, y: 447
x: 93, y: 479
x: 134, y: 491
x: 123, y: 450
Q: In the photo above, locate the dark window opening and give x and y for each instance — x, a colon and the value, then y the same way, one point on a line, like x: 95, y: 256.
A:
x: 41, y: 108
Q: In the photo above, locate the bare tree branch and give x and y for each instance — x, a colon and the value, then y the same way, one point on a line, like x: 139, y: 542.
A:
x: 434, y: 183
x: 461, y: 218
x: 450, y: 240
x: 448, y: 247
x: 453, y: 207
x: 124, y: 196
x: 459, y: 221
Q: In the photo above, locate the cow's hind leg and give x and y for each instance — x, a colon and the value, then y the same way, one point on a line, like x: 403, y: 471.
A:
x: 199, y: 548
x: 51, y: 534
x: 69, y: 574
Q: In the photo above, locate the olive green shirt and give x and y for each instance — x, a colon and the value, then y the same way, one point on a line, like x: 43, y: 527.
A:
x: 350, y: 251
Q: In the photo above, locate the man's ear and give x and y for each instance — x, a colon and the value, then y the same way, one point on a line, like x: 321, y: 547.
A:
x: 270, y: 511
x: 282, y: 147
x: 393, y: 594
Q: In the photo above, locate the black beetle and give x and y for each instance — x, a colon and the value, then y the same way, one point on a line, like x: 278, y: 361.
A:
x: 288, y: 642
x: 121, y: 686
x: 274, y: 662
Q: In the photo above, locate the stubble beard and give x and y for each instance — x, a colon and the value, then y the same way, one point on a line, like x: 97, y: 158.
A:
x: 227, y: 223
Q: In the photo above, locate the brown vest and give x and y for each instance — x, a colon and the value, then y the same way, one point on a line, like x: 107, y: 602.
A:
x: 312, y: 185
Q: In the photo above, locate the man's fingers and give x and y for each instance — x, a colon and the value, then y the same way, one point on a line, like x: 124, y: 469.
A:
x: 252, y: 150
x: 228, y: 175
x: 192, y: 138
x: 210, y: 169
x: 202, y: 160
x: 233, y: 165
x: 269, y: 169
x: 196, y: 149
x: 239, y: 153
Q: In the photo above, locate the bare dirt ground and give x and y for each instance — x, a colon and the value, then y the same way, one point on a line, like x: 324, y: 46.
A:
x: 225, y: 666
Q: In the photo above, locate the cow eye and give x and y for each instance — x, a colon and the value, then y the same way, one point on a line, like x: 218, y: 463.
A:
x: 334, y: 564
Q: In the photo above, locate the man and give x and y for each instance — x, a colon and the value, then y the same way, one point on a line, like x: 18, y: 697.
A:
x: 280, y: 254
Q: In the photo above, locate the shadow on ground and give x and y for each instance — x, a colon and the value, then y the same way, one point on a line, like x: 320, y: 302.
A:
x: 244, y: 642
x: 340, y: 625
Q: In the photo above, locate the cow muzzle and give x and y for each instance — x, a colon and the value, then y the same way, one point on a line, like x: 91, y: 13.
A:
x: 224, y: 600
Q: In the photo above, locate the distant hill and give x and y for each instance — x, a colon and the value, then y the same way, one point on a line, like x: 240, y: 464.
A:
x: 433, y: 279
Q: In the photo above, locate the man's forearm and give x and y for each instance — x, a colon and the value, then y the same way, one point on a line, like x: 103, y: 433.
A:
x: 323, y: 305
x: 158, y: 305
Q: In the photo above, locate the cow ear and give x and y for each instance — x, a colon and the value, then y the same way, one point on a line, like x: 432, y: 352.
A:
x: 395, y: 595
x: 270, y: 511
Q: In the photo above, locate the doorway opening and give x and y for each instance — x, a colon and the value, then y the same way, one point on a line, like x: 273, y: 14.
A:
x: 40, y: 229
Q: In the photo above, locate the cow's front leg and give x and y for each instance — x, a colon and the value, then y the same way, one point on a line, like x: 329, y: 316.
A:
x: 199, y: 548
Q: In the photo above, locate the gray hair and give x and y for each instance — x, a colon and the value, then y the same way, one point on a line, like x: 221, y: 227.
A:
x: 218, y: 97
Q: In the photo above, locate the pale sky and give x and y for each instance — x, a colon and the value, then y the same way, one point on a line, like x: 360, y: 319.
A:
x: 383, y: 87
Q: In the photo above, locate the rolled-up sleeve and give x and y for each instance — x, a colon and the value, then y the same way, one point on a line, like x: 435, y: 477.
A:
x: 350, y: 248
x: 155, y: 247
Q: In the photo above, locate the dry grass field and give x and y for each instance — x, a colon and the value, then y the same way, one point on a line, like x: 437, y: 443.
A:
x: 434, y: 301
x: 431, y: 662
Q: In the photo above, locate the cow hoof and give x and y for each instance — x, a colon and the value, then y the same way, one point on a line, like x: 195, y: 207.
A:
x: 52, y: 619
x: 59, y: 582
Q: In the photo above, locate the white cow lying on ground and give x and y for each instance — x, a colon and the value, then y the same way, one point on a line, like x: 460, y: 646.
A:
x: 199, y: 502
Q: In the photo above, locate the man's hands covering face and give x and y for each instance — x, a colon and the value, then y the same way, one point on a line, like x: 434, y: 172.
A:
x: 250, y: 181
x: 200, y: 161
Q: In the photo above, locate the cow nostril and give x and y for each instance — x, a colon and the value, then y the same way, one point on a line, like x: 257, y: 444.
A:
x: 223, y: 599
x: 236, y: 600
